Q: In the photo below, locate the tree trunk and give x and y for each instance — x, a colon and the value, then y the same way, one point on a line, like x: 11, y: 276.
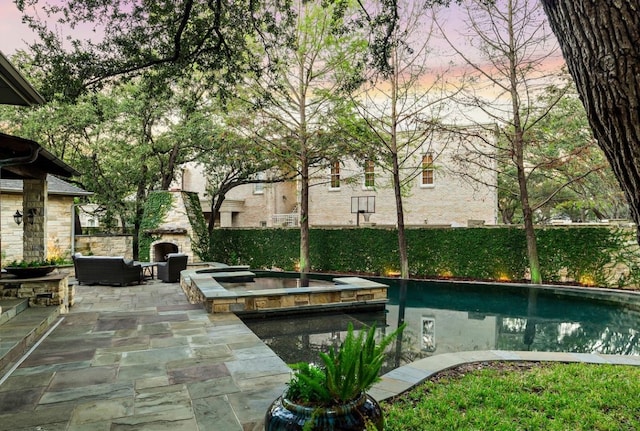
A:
x: 402, y: 238
x: 599, y: 41
x: 216, y: 204
x: 518, y: 145
x: 305, y: 264
x: 527, y: 212
x: 141, y: 196
x: 167, y: 175
x: 397, y: 188
x: 527, y: 215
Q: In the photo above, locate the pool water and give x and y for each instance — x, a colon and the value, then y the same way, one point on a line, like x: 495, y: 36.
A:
x: 268, y: 283
x: 453, y: 317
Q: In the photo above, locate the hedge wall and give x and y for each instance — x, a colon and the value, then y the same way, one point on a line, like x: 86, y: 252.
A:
x: 584, y: 254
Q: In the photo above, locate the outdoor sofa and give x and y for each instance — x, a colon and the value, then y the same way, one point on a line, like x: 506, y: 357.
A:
x: 169, y: 271
x: 106, y: 270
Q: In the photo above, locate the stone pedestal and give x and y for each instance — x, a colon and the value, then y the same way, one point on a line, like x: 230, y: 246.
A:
x: 50, y: 290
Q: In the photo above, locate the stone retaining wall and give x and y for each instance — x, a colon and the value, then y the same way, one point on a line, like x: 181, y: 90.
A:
x: 348, y: 292
x: 105, y: 245
x: 50, y: 290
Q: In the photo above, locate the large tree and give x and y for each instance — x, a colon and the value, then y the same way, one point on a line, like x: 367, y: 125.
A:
x: 125, y: 140
x: 569, y: 175
x: 399, y: 108
x: 506, y: 53
x: 574, y: 179
x: 599, y: 41
x: 294, y: 99
x: 234, y: 161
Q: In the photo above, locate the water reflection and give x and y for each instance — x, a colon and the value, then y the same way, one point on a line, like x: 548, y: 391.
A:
x: 444, y: 318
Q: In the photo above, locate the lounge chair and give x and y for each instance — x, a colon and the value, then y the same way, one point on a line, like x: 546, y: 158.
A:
x: 169, y: 271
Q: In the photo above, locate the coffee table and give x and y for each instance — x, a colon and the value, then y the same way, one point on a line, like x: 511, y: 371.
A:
x: 148, y: 269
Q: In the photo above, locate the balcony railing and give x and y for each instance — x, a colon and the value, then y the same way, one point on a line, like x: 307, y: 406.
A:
x: 285, y: 220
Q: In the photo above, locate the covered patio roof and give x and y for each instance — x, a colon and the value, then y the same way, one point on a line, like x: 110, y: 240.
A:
x: 14, y: 88
x: 23, y: 159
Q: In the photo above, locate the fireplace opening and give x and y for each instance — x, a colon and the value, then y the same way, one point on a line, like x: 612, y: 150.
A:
x: 162, y: 249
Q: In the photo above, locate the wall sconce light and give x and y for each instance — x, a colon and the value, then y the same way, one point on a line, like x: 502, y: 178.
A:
x: 17, y: 217
x: 31, y: 215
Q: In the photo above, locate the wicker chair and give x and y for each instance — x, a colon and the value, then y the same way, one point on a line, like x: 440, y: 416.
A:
x: 169, y: 271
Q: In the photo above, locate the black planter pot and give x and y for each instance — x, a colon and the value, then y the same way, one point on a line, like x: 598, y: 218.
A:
x: 30, y: 271
x: 284, y: 415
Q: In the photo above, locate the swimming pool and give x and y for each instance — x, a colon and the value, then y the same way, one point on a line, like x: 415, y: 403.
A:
x: 446, y: 317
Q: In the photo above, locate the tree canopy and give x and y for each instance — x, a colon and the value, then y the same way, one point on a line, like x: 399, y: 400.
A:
x: 129, y: 38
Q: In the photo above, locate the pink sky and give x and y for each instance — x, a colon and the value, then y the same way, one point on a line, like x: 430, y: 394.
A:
x: 13, y: 33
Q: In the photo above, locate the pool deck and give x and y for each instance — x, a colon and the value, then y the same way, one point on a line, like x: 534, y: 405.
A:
x: 143, y: 358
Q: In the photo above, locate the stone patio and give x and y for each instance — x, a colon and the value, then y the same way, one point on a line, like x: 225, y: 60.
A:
x: 141, y: 357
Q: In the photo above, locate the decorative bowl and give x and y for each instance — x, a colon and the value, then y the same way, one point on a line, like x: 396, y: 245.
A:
x: 30, y: 272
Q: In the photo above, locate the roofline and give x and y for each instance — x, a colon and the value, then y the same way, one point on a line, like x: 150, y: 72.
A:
x: 65, y: 169
x: 16, y: 186
x: 18, y: 83
x: 62, y: 165
x: 10, y: 191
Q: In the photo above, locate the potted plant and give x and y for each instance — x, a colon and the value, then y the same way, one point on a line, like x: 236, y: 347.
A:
x: 333, y: 396
x: 24, y: 269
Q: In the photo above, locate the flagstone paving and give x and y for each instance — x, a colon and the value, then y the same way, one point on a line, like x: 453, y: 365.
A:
x: 143, y: 358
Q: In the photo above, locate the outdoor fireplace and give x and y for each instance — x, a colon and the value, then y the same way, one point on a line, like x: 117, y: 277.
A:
x: 174, y: 233
x: 161, y: 249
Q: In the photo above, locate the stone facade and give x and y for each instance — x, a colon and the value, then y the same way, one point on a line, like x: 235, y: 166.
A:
x: 249, y: 205
x: 50, y: 290
x: 57, y: 229
x: 175, y: 230
x: 105, y: 245
x: 34, y: 202
x: 452, y: 200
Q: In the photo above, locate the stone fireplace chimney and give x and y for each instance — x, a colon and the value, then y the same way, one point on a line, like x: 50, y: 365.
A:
x: 175, y: 233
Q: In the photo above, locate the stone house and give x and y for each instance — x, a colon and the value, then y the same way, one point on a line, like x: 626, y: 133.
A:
x: 249, y: 205
x: 436, y: 193
x: 60, y: 198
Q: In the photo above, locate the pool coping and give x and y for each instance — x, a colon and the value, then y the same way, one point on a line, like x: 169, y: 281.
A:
x: 346, y: 292
x: 407, y: 376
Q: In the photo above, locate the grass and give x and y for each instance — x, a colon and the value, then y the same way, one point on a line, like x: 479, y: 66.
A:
x: 522, y: 397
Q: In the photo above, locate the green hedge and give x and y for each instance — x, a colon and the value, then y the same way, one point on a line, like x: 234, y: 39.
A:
x: 583, y: 253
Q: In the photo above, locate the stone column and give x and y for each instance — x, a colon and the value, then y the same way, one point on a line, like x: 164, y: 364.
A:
x: 34, y: 201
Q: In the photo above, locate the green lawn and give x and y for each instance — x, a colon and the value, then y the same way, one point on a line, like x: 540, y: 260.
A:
x: 522, y: 397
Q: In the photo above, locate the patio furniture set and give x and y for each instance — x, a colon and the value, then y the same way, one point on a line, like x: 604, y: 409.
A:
x: 121, y: 271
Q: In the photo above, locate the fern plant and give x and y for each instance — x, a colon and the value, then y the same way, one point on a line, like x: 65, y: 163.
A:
x: 308, y: 385
x: 345, y: 373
